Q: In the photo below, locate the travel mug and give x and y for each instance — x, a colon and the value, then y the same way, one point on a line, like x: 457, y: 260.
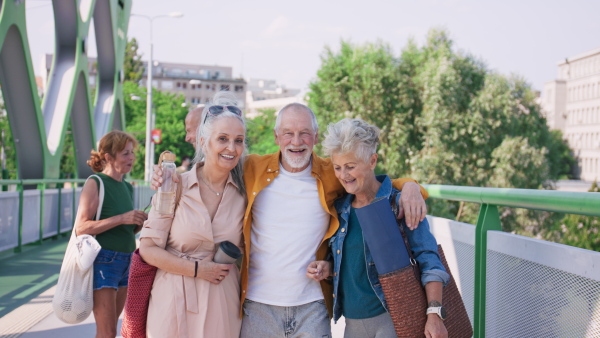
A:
x: 227, y: 253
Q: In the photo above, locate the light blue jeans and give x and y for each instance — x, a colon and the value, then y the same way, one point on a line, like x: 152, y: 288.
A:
x: 376, y: 327
x: 303, y: 321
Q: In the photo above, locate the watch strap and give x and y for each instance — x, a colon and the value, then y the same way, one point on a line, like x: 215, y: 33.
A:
x: 438, y: 310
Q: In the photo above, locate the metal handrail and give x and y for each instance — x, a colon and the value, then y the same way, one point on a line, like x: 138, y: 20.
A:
x: 56, y: 181
x: 41, y: 185
x: 582, y: 203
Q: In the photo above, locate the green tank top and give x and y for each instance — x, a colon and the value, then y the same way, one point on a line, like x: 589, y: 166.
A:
x: 118, y: 199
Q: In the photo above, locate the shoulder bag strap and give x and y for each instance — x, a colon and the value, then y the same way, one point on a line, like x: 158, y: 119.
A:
x: 401, y: 225
x: 100, y: 201
x: 100, y: 195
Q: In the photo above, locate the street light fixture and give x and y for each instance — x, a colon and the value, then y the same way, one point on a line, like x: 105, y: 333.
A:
x: 149, y: 159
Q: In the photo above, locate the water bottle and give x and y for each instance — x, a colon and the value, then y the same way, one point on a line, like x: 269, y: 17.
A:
x: 166, y: 192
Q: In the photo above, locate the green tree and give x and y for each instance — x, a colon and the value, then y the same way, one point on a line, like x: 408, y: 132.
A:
x: 577, y: 230
x: 169, y: 117
x: 445, y: 118
x: 563, y: 164
x: 259, y: 135
x: 133, y: 67
x: 7, y: 143
x: 68, y: 165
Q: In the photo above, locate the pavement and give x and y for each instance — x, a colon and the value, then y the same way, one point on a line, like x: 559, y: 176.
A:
x: 27, y: 284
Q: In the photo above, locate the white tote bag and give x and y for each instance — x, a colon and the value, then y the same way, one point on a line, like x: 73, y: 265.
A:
x: 74, y: 296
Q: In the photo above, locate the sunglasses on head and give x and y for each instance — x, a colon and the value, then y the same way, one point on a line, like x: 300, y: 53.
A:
x: 217, y: 110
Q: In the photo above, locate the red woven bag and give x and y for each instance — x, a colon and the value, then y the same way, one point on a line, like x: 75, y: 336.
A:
x: 141, y: 278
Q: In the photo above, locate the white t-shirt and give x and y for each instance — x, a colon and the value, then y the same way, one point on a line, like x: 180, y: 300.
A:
x: 288, y: 226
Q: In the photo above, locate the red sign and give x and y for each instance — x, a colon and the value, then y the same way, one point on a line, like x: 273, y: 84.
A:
x: 156, y: 136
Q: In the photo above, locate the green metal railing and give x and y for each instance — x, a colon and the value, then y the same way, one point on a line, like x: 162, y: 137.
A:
x: 581, y: 203
x: 42, y: 185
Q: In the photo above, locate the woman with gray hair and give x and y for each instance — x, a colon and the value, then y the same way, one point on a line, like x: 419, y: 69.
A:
x: 192, y: 296
x: 358, y: 296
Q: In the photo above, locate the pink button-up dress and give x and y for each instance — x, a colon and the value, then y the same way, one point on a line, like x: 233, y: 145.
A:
x: 183, y: 306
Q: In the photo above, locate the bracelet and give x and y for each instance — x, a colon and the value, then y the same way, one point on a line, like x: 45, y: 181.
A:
x: 196, y: 269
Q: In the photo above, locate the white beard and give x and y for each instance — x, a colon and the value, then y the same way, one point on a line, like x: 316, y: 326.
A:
x: 296, y: 162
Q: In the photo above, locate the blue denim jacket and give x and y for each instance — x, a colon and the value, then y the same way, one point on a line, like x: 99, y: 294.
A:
x: 423, y: 244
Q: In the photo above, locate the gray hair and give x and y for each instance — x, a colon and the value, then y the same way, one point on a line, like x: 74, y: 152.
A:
x: 351, y: 136
x: 205, y: 130
x: 300, y: 106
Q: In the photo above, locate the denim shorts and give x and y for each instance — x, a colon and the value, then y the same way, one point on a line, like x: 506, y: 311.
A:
x: 111, y: 269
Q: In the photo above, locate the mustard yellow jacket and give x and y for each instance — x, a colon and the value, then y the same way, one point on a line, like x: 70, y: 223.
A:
x: 261, y: 170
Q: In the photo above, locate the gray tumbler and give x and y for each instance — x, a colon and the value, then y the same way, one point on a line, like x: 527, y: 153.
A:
x: 227, y: 253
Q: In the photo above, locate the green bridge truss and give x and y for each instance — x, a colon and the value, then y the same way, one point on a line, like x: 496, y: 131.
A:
x: 39, y: 129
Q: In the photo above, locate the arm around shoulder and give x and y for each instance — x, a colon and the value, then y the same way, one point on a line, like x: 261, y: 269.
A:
x: 399, y: 183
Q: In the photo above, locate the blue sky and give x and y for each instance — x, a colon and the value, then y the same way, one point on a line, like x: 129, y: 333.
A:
x: 283, y: 40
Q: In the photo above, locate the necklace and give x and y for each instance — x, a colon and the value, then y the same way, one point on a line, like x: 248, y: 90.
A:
x: 209, y: 187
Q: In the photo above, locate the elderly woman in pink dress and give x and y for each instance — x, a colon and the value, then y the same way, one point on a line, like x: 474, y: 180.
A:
x: 193, y: 296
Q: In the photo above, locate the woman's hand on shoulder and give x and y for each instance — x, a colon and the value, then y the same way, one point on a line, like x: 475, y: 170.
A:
x: 319, y: 270
x: 434, y: 327
x: 211, y: 271
x: 136, y: 217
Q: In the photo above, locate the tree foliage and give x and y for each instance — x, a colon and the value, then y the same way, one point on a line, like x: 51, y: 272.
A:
x: 445, y: 117
x: 259, y: 135
x: 133, y: 67
x: 577, y: 230
x: 8, y: 143
x: 68, y: 165
x: 170, y: 116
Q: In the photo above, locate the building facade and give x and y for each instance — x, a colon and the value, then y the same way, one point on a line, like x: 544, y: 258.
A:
x: 268, y: 94
x: 197, y: 83
x: 571, y: 104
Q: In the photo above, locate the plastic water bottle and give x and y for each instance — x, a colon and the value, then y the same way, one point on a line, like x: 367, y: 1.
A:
x: 166, y: 192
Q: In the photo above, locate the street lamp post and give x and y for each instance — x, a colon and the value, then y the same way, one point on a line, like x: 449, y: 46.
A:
x: 149, y: 157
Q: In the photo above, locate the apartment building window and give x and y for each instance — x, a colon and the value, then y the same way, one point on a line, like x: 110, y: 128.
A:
x: 224, y: 87
x: 183, y: 85
x: 193, y: 86
x: 178, y: 84
x: 239, y: 88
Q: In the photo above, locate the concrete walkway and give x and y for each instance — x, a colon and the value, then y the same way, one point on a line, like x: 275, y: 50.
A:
x: 36, y: 320
x: 27, y: 285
